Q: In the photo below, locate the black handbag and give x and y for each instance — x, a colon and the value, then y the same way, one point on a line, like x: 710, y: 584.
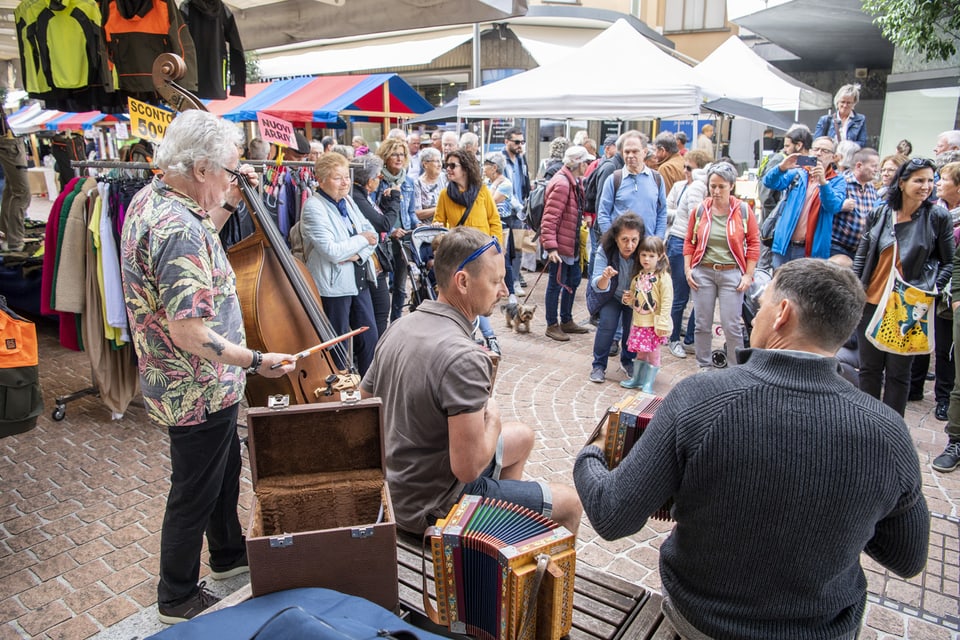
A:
x: 384, y: 257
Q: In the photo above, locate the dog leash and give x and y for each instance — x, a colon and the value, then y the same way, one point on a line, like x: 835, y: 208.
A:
x: 536, y: 282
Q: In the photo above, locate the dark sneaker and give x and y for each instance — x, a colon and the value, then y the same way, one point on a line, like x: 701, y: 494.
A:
x: 595, y: 319
x: 614, y: 349
x: 597, y: 375
x: 188, y: 609
x: 493, y: 345
x: 949, y: 459
x: 941, y: 411
x: 573, y: 327
x: 237, y: 568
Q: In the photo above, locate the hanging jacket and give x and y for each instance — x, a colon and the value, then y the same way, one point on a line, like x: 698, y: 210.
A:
x: 214, y: 32
x: 137, y: 31
x: 61, y: 46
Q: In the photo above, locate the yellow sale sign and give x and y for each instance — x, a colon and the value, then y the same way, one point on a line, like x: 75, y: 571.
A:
x: 147, y: 121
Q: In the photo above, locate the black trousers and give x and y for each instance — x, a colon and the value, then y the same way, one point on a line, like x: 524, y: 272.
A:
x: 352, y: 312
x: 943, y: 363
x: 880, y: 371
x: 204, y: 489
x: 380, y: 298
x: 398, y: 287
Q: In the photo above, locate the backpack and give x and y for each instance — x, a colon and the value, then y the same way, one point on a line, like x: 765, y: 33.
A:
x: 533, y: 209
x: 591, y: 188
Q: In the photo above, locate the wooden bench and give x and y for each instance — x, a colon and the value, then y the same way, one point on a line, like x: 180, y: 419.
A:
x: 604, y: 606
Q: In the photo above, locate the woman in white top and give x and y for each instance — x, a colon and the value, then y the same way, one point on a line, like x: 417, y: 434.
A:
x: 429, y: 184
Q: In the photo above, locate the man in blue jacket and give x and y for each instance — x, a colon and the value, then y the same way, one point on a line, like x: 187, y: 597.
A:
x: 813, y: 196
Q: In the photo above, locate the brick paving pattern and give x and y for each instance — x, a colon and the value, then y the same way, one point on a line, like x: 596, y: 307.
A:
x: 81, y: 501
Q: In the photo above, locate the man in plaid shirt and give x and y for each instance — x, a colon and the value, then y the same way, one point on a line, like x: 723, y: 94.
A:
x: 861, y: 199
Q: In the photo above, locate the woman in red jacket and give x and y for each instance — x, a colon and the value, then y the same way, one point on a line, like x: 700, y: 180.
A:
x: 720, y: 254
x: 560, y: 238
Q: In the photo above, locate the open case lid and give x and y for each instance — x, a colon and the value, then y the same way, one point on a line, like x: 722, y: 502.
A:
x: 304, y: 439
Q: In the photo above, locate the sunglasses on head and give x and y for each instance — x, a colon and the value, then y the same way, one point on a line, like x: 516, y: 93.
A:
x: 921, y: 163
x: 479, y: 252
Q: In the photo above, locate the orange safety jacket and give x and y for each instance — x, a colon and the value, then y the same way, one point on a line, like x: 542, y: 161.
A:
x: 137, y: 31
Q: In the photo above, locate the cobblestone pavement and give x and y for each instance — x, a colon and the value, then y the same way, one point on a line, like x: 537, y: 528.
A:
x: 81, y: 501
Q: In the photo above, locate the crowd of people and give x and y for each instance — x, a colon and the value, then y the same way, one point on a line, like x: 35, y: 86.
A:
x: 645, y: 229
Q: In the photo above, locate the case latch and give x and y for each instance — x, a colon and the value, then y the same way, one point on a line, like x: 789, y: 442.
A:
x: 281, y: 542
x: 278, y: 401
x: 361, y: 532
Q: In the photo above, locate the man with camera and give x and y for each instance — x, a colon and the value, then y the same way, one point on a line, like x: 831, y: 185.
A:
x: 813, y: 194
x: 778, y: 483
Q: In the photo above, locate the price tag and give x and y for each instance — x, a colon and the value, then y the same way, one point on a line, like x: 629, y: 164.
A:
x: 147, y: 121
x: 276, y: 130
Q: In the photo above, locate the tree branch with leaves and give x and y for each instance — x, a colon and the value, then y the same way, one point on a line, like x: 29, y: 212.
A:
x: 928, y: 27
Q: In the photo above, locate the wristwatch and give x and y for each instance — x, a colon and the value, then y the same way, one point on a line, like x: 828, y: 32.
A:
x: 226, y: 206
x: 254, y: 367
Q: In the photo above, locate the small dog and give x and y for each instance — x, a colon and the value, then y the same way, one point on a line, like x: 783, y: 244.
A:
x: 518, y: 316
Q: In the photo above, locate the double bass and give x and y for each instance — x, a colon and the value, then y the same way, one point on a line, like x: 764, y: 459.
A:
x: 279, y: 300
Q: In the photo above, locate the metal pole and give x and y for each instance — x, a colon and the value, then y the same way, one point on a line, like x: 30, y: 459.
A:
x: 475, y: 71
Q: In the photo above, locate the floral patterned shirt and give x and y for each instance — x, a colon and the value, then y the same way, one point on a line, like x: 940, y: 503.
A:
x: 174, y: 267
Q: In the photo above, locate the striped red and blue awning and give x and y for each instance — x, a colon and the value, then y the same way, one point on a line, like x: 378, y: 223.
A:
x: 321, y: 100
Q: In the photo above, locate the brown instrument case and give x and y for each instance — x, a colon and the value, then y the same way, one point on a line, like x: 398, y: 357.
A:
x: 322, y: 514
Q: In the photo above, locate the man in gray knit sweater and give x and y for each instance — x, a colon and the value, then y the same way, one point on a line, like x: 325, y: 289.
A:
x: 781, y: 473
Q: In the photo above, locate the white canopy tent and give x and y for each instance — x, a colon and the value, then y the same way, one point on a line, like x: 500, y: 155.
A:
x: 756, y: 79
x: 617, y: 75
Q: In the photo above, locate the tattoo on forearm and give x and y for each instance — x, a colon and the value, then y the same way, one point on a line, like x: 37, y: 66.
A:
x: 216, y: 344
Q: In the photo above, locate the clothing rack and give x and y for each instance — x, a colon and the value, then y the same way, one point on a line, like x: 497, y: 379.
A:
x: 60, y: 403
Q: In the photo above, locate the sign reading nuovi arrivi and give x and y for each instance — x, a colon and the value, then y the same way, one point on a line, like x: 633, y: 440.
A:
x: 147, y: 121
x: 275, y: 130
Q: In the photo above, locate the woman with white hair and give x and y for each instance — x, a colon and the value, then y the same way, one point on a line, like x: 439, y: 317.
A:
x: 845, y: 123
x: 720, y: 253
x: 429, y: 184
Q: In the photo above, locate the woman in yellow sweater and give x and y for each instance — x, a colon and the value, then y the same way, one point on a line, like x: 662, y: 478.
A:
x: 468, y: 202
x: 465, y: 190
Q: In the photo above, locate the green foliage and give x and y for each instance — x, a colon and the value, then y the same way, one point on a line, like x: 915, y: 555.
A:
x: 253, y: 66
x: 928, y: 27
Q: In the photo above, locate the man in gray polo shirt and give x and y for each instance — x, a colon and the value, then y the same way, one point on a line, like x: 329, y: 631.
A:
x: 442, y: 428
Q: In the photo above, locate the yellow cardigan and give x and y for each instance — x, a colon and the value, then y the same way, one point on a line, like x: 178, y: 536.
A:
x: 483, y: 215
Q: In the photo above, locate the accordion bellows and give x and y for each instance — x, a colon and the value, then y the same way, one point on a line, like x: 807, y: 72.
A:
x: 485, y: 555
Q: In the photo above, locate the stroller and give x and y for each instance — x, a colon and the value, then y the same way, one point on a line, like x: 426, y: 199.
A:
x: 418, y: 254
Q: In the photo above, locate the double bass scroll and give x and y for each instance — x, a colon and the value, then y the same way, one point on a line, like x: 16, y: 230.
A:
x: 279, y: 300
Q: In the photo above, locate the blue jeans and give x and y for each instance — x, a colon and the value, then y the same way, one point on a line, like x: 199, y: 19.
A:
x: 613, y: 316
x: 485, y: 327
x: 681, y: 290
x: 794, y: 252
x: 570, y: 276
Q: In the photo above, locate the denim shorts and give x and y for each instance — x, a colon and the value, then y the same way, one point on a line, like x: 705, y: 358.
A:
x: 534, y: 495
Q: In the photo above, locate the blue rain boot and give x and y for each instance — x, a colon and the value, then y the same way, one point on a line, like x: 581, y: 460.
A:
x: 649, y: 378
x: 639, y: 372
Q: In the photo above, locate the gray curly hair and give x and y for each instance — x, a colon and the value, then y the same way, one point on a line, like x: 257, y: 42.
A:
x: 197, y: 138
x: 558, y: 147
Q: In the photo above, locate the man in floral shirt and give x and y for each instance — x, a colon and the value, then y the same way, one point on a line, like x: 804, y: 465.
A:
x: 180, y: 293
